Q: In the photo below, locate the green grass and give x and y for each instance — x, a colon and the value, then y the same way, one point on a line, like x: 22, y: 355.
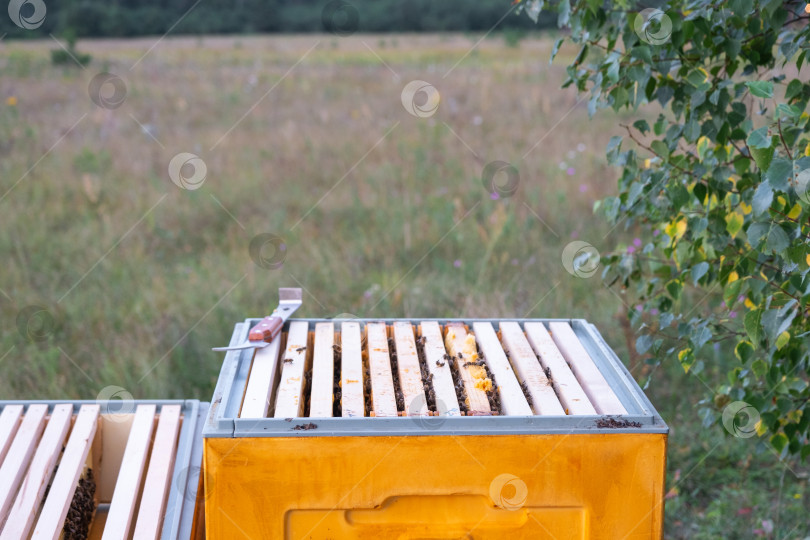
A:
x: 142, y: 278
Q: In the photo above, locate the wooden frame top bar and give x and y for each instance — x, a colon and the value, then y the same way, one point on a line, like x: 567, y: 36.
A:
x: 461, y: 347
x: 352, y: 400
x: 513, y: 402
x: 439, y: 367
x: 410, y: 373
x: 323, y: 371
x: 71, y: 466
x: 383, y: 394
x: 570, y: 392
x: 290, y: 399
x: 593, y: 382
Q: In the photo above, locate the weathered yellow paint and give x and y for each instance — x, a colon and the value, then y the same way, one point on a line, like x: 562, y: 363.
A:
x: 594, y: 486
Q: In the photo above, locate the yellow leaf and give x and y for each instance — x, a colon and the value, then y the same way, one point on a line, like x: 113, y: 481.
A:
x: 676, y: 229
x: 647, y: 163
x: 795, y: 211
x: 733, y: 276
x: 746, y: 208
x: 782, y: 340
x: 749, y: 304
x: 761, y: 428
x: 807, y: 259
x: 807, y: 150
x: 781, y: 200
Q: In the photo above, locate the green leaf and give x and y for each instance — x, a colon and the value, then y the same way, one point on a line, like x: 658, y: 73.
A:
x: 778, y: 173
x: 674, y: 288
x: 643, y: 344
x: 763, y: 197
x: 759, y: 367
x: 699, y: 270
x: 555, y: 49
x: 642, y: 52
x: 744, y: 350
x: 776, y: 321
x: 732, y: 291
x: 642, y: 126
x: 752, y: 326
x: 691, y: 130
x: 793, y: 89
x: 779, y: 441
x: 734, y: 222
x: 762, y: 156
x: 660, y: 148
x: 759, y: 138
x: 760, y: 89
x: 778, y: 239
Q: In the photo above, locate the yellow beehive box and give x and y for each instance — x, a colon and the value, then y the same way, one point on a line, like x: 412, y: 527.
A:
x: 416, y: 429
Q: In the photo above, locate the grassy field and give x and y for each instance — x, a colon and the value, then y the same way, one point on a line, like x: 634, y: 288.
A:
x: 382, y: 213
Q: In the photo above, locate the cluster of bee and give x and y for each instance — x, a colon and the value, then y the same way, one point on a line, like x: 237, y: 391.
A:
x: 493, y: 395
x: 392, y: 350
x: 336, y: 393
x: 458, y: 383
x: 480, y: 362
x: 427, y: 378
x: 443, y: 360
x: 82, y: 507
x: 525, y: 387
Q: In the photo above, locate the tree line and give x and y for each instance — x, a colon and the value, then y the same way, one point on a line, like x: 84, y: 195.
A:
x: 128, y: 18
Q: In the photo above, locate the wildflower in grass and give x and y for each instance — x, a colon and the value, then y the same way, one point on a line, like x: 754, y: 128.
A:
x: 571, y: 171
x: 637, y: 242
x: 583, y: 188
x: 457, y: 263
x: 11, y: 101
x: 631, y: 249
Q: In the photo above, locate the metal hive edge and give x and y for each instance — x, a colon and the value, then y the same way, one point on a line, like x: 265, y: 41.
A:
x: 223, y: 418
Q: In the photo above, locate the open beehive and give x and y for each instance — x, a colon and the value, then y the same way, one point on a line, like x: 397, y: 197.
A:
x: 108, y: 470
x: 432, y: 429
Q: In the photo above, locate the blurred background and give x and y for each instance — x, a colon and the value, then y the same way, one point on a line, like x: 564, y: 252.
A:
x: 166, y: 166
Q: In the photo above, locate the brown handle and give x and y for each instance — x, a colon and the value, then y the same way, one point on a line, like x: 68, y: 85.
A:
x: 266, y: 330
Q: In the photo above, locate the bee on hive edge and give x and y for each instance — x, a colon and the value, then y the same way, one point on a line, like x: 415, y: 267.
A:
x: 301, y: 349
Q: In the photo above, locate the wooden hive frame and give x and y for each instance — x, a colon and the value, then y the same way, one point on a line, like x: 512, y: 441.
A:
x: 393, y: 368
x: 124, y: 473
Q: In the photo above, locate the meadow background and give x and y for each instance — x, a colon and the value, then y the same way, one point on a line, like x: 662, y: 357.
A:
x: 382, y: 214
